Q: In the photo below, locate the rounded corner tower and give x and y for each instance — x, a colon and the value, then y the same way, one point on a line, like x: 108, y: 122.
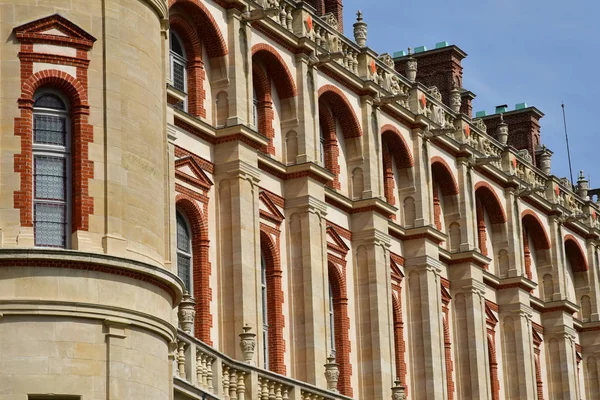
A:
x: 86, y: 288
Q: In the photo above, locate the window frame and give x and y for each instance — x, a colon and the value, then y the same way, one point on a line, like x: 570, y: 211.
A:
x: 56, y: 151
x: 178, y: 251
x: 175, y: 58
x: 265, y: 309
x: 331, y: 321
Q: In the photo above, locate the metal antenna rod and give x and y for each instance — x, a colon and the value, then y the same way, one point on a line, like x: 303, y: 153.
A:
x: 567, y: 139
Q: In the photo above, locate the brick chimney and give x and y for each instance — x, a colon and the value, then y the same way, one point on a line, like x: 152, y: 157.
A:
x: 335, y: 7
x: 523, y: 127
x: 439, y: 67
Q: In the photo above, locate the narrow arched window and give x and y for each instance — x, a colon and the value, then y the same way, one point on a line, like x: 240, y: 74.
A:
x: 255, y: 108
x: 51, y: 150
x: 331, y: 322
x: 321, y: 146
x: 265, y: 324
x: 178, y: 65
x: 184, y: 252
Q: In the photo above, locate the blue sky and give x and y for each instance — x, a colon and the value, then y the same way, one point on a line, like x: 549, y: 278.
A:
x: 533, y: 51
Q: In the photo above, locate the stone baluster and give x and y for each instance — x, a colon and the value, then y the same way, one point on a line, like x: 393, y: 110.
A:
x: 226, y: 382
x: 264, y: 393
x: 241, y: 385
x: 209, y: 373
x: 181, y: 345
x: 200, y: 369
x: 289, y: 18
x: 278, y: 395
x: 233, y: 384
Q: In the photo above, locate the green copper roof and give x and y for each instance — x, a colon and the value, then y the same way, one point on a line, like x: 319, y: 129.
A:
x: 480, y: 114
x: 440, y: 45
x: 520, y: 106
x: 420, y: 49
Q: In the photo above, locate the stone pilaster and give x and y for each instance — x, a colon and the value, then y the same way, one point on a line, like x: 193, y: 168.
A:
x: 236, y: 178
x: 561, y: 362
x: 515, y: 326
x: 374, y: 313
x: 239, y: 70
x: 468, y: 290
x: 425, y: 336
x: 308, y: 124
x: 371, y: 150
x: 309, y: 294
x: 422, y: 169
x: 467, y: 204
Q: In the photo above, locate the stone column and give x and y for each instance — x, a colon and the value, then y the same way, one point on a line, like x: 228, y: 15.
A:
x: 425, y: 335
x: 422, y: 179
x: 371, y: 150
x: 236, y: 178
x: 373, y: 304
x: 468, y: 290
x: 561, y: 362
x: 466, y: 207
x: 515, y: 327
x: 239, y: 70
x: 308, y: 298
x: 308, y: 124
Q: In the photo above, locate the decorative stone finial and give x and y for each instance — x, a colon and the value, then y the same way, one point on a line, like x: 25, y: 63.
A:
x: 248, y: 344
x: 411, y: 67
x: 332, y: 374
x: 545, y: 159
x: 455, y: 100
x: 502, y: 131
x: 398, y: 391
x: 360, y: 30
x: 187, y: 313
x: 583, y: 185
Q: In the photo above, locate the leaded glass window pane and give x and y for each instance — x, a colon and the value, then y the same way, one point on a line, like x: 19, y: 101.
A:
x: 184, y: 264
x: 179, y: 76
x: 49, y: 129
x: 50, y: 225
x: 50, y: 101
x: 183, y: 236
x: 50, y: 178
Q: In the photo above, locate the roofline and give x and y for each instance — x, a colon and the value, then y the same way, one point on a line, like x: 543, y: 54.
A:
x: 461, y: 53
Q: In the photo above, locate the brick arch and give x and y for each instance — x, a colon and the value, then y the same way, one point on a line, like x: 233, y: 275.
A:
x: 533, y: 224
x: 206, y: 26
x: 201, y: 269
x: 575, y: 253
x: 330, y: 146
x: 264, y: 106
x: 81, y: 136
x: 399, y: 344
x: 274, y: 303
x: 442, y: 174
x: 342, y: 109
x: 188, y: 34
x: 486, y: 194
x: 342, y: 326
x: 58, y: 80
x: 399, y: 148
x: 493, y: 367
x: 276, y: 69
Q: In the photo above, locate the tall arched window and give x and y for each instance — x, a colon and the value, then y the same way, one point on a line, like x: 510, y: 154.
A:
x: 184, y: 252
x: 178, y: 66
x: 265, y: 321
x: 331, y: 322
x: 51, y: 170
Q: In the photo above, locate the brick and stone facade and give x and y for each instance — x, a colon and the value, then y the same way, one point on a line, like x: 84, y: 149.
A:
x: 352, y: 231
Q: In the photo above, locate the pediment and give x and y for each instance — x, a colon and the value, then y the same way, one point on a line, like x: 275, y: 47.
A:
x: 490, y: 316
x: 445, y: 294
x: 537, y: 338
x: 188, y: 170
x: 54, y: 29
x: 335, y: 241
x: 395, y: 263
x: 268, y: 209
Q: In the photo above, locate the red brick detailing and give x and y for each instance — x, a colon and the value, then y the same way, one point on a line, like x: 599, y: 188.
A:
x: 75, y: 89
x: 437, y: 207
x: 264, y: 106
x: 330, y: 145
x: 206, y: 27
x: 276, y: 69
x: 537, y: 342
x: 447, y: 342
x: 87, y: 266
x: 388, y: 175
x: 443, y: 174
x: 481, y: 229
x: 76, y: 37
x: 398, y: 146
x: 271, y: 253
x: 342, y: 232
x: 399, y: 343
x: 342, y: 109
x: 532, y: 223
x: 491, y: 322
x: 196, y: 75
x: 201, y: 268
x: 206, y: 165
x: 575, y: 254
x: 490, y: 200
x: 527, y: 254
x: 337, y: 280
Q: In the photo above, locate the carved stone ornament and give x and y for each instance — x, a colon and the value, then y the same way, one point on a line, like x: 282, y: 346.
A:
x: 360, y: 30
x: 387, y: 60
x: 411, y: 69
x: 502, y: 131
x: 330, y: 20
x: 526, y: 156
x: 187, y: 313
x: 455, y: 100
x: 478, y: 122
x: 248, y: 344
x: 332, y: 374
x: 546, y: 161
x: 435, y: 92
x: 398, y: 391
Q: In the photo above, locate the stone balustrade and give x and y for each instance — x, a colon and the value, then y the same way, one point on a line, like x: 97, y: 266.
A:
x: 202, y: 372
